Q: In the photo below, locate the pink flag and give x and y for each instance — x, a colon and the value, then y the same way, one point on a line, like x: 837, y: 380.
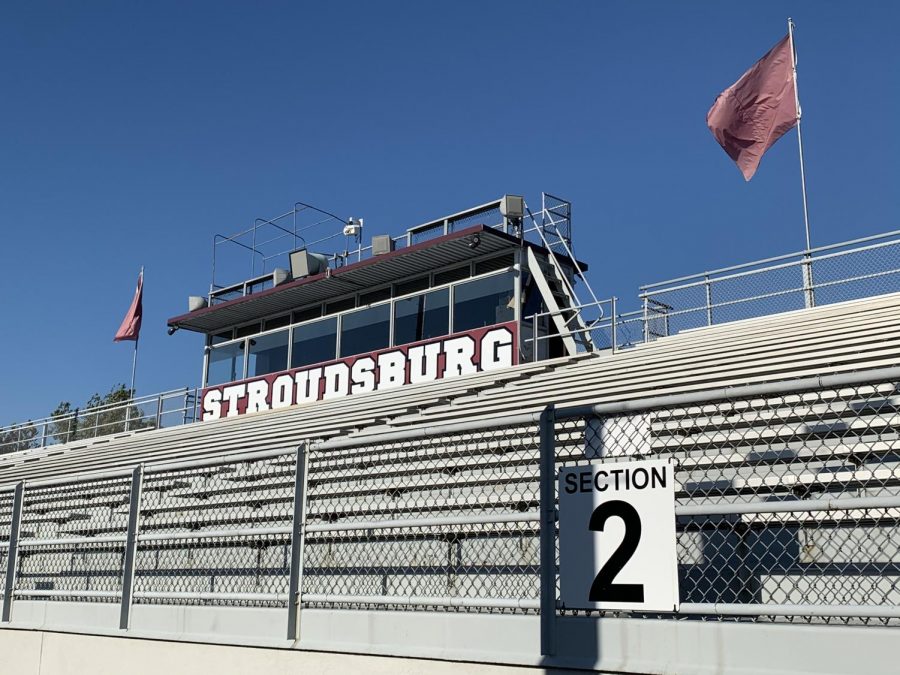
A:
x: 131, y: 324
x: 757, y: 110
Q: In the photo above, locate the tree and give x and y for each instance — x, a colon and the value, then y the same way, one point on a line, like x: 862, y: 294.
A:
x: 18, y: 437
x: 100, y: 416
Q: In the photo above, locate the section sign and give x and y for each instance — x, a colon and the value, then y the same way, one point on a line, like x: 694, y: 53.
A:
x: 617, y: 536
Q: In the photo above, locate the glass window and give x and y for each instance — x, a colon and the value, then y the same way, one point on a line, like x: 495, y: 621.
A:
x: 314, y: 342
x: 483, y: 302
x: 221, y: 337
x: 422, y: 317
x: 366, y: 330
x: 226, y: 364
x: 244, y: 331
x: 268, y: 354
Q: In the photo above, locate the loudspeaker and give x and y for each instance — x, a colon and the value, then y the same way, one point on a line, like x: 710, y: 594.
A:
x: 381, y: 244
x: 304, y: 263
x: 279, y: 276
x: 196, y: 302
x: 512, y: 206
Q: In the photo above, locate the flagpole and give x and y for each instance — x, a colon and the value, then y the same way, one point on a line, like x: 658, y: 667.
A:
x: 799, y: 134
x: 134, y: 366
x: 809, y: 297
x: 137, y: 339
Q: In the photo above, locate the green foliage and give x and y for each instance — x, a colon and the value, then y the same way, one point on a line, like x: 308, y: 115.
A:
x: 18, y: 437
x: 100, y: 416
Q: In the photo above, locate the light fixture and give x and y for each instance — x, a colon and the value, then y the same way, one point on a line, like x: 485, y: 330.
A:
x: 172, y: 330
x: 475, y: 241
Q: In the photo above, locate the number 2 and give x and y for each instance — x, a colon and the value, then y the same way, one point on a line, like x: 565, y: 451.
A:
x: 603, y: 589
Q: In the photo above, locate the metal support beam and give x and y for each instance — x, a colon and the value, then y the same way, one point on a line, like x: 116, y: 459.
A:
x: 13, y: 551
x: 298, y: 535
x: 809, y: 293
x: 547, y: 426
x: 137, y: 478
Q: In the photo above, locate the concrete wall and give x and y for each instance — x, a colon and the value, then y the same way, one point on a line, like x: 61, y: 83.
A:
x: 45, y: 653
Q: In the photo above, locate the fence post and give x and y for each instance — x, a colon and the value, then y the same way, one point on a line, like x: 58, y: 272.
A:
x: 613, y: 327
x: 137, y: 479
x: 646, y: 321
x: 547, y: 428
x: 809, y: 294
x: 12, y: 553
x: 159, y: 410
x: 709, y: 320
x: 298, y: 535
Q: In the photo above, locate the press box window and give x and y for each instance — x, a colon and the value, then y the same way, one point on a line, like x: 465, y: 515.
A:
x: 268, y: 353
x: 314, y: 343
x: 422, y: 317
x: 226, y: 364
x: 366, y: 330
x: 484, y: 302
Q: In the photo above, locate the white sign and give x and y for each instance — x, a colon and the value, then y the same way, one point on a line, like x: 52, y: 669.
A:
x: 617, y: 536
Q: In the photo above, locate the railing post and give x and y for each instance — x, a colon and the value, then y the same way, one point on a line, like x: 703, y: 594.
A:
x: 809, y: 293
x: 709, y: 320
x: 159, y: 409
x: 613, y: 326
x: 137, y: 479
x: 646, y: 321
x: 298, y: 535
x: 534, y: 337
x: 12, y: 553
x: 547, y: 428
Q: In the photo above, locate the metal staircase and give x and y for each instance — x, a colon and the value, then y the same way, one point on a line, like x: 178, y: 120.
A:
x: 563, y: 304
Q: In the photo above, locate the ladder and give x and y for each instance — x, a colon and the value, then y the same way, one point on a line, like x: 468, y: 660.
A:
x: 551, y: 279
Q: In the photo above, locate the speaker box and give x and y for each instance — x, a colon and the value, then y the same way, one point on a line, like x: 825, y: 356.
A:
x: 381, y: 244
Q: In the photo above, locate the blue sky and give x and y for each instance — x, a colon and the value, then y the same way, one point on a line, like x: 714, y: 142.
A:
x: 132, y: 132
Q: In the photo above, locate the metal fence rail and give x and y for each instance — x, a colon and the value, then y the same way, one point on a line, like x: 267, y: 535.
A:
x: 849, y: 270
x: 415, y: 521
x: 788, y: 509
x: 156, y: 411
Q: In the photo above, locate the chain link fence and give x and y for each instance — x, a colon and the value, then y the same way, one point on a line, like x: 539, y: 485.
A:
x: 837, y: 273
x: 216, y: 533
x: 787, y: 508
x: 425, y: 521
x: 784, y: 501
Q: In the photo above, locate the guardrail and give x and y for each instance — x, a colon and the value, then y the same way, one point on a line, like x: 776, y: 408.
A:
x: 156, y: 411
x: 787, y: 509
x: 848, y: 270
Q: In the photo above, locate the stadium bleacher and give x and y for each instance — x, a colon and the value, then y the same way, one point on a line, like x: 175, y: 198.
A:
x: 830, y: 339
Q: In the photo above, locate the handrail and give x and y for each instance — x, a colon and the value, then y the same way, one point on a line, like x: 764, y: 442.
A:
x: 803, y: 253
x: 133, y: 414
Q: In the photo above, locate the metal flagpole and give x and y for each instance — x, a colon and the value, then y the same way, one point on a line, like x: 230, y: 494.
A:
x: 136, y: 340
x: 807, y: 276
x: 134, y: 366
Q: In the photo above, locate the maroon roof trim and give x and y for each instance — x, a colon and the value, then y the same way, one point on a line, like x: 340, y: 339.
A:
x: 336, y: 272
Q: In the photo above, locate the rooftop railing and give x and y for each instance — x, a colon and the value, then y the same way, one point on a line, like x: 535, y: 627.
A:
x: 268, y: 242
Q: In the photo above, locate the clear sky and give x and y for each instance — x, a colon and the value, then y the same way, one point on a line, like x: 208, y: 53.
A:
x: 132, y: 132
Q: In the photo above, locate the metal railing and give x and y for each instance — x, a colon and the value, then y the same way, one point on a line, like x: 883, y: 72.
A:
x: 291, y: 230
x: 155, y: 411
x: 850, y: 270
x: 787, y: 509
